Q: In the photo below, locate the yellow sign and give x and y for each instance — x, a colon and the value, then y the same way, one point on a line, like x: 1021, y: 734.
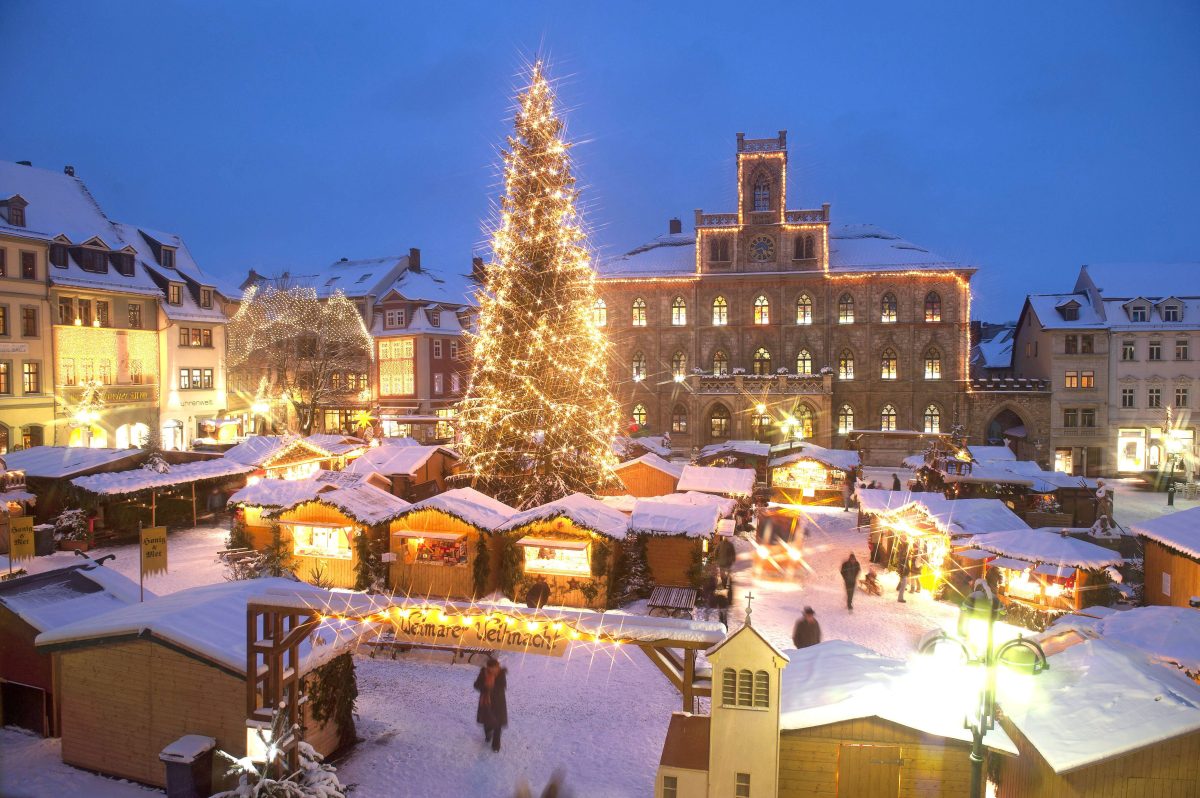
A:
x: 20, y: 538
x: 154, y: 550
x: 482, y: 631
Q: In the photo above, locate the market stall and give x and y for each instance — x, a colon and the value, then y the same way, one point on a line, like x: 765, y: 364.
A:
x: 721, y: 481
x: 649, y: 475
x: 805, y: 473
x: 572, y: 544
x: 439, y: 543
x: 673, y: 539
x: 280, y: 456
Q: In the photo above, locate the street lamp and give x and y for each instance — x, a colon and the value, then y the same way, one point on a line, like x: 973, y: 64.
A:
x: 975, y: 643
x: 1174, y: 452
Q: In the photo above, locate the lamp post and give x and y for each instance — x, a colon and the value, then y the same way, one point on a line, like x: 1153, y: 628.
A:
x: 976, y: 641
x: 1174, y: 451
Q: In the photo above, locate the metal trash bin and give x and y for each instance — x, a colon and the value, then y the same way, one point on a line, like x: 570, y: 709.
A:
x: 188, y: 762
x: 43, y: 540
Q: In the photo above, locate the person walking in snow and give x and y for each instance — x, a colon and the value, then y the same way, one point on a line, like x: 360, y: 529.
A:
x: 902, y: 570
x: 726, y: 556
x: 850, y: 571
x: 806, y: 632
x: 895, y: 482
x: 493, y: 707
x: 847, y: 495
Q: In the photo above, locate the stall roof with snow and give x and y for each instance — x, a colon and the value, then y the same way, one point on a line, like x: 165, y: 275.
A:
x: 392, y: 460
x: 64, y: 462
x: 1179, y: 531
x: 653, y: 461
x: 1048, y: 546
x: 661, y: 518
x: 580, y: 509
x: 363, y: 503
x: 265, y: 451
x: 335, y: 444
x: 467, y: 505
x: 736, y: 448
x: 721, y: 481
x: 1169, y: 635
x: 954, y: 517
x: 841, y: 459
x: 696, y: 499
x: 119, y: 483
x: 52, y: 599
x: 624, y: 446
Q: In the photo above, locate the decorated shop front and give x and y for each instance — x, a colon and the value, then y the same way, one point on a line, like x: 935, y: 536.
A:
x: 673, y: 539
x: 804, y: 473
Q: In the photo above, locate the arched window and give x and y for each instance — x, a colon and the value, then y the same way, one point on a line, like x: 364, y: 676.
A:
x: 639, y: 415
x: 762, y: 195
x: 600, y: 313
x: 887, y: 418
x: 678, y: 312
x: 762, y: 361
x: 887, y: 365
x: 679, y: 418
x: 760, y: 423
x: 745, y: 688
x: 845, y: 419
x: 933, y: 306
x: 762, y: 310
x: 639, y: 367
x: 679, y: 365
x: 720, y: 364
x: 804, y: 362
x: 718, y: 422
x: 805, y: 248
x: 762, y: 689
x: 804, y: 308
x: 804, y: 421
x: 720, y: 312
x: 933, y: 419
x: 729, y: 687
x: 639, y: 312
x: 846, y: 365
x: 845, y: 309
x: 933, y: 364
x: 887, y: 308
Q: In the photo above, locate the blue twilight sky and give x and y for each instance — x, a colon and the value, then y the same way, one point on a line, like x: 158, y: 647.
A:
x: 1026, y: 138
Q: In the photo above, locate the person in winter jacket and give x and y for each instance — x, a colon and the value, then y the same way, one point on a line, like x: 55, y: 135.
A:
x: 895, y: 482
x: 491, y: 683
x: 726, y: 556
x: 850, y: 571
x: 806, y: 632
x: 902, y: 570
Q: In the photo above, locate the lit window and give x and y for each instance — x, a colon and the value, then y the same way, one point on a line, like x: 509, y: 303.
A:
x: 720, y: 312
x: 845, y: 419
x: 1071, y: 379
x: 762, y: 361
x: 804, y: 309
x: 933, y: 365
x: 887, y: 418
x: 804, y: 362
x: 933, y: 306
x: 1087, y: 379
x: 639, y: 366
x: 845, y: 309
x: 761, y: 427
x: 679, y: 419
x: 762, y: 311
x: 804, y: 421
x: 846, y: 365
x: 887, y: 365
x: 678, y: 312
x: 639, y: 415
x: 639, y: 312
x: 887, y: 309
x: 718, y: 422
x: 933, y: 419
x: 600, y: 313
x: 720, y: 364
x: 565, y: 558
x: 321, y: 541
x: 678, y: 364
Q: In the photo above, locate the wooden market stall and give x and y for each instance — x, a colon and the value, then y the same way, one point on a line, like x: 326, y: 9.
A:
x: 1171, y: 557
x: 135, y: 679
x: 439, y: 541
x: 737, y: 454
x: 737, y: 483
x: 804, y: 473
x: 281, y: 456
x: 674, y: 539
x: 573, y: 544
x: 49, y: 470
x: 649, y: 475
x: 415, y: 472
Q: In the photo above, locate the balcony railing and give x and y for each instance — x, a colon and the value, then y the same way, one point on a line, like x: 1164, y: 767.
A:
x: 803, y: 217
x: 716, y: 219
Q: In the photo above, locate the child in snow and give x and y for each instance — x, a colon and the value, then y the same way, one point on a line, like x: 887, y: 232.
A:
x: 493, y: 707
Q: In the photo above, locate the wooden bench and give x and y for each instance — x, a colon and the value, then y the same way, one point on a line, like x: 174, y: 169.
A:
x: 672, y: 601
x: 393, y: 647
x: 231, y: 556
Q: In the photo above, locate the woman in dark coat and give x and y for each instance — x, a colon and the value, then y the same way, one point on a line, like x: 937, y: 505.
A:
x: 493, y: 707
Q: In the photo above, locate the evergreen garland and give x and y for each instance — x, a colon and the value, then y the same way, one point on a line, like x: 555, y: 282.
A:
x: 637, y: 578
x: 238, y: 537
x: 369, y: 570
x: 277, y: 556
x: 482, y: 567
x: 510, y: 566
x: 332, y: 692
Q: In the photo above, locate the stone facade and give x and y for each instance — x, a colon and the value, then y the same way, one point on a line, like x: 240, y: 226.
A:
x: 1015, y: 412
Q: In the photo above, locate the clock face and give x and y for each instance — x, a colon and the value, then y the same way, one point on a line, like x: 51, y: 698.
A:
x: 762, y: 249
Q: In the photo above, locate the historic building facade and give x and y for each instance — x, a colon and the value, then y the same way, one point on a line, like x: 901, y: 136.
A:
x: 771, y: 323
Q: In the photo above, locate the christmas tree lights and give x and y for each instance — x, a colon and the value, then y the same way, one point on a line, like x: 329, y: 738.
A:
x: 538, y: 418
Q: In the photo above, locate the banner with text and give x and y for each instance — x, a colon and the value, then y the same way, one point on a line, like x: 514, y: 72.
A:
x: 20, y: 538
x: 154, y: 550
x: 434, y: 628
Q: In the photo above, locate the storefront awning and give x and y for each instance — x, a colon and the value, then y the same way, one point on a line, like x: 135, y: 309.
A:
x: 1010, y: 564
x: 417, y: 533
x: 553, y: 543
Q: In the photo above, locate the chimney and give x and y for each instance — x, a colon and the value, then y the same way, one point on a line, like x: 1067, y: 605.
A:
x: 25, y: 163
x: 69, y: 171
x: 343, y: 260
x: 477, y: 270
x: 414, y: 259
x: 674, y: 227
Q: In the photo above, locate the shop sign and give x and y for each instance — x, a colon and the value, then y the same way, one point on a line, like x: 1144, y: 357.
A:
x: 16, y: 349
x: 20, y: 538
x: 154, y: 550
x: 482, y: 631
x: 116, y: 395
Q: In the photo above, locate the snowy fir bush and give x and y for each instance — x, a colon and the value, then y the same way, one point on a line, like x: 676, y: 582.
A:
x: 314, y: 779
x: 71, y: 525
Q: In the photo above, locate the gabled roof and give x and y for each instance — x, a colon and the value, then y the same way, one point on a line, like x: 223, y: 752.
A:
x: 336, y: 444
x: 59, y: 204
x: 1168, y: 635
x: 582, y: 510
x: 363, y: 503
x: 1046, y: 307
x: 725, y: 481
x: 653, y: 461
x: 431, y: 286
x: 265, y: 450
x: 1179, y: 531
x: 390, y: 460
x: 746, y: 628
x: 1049, y: 547
x: 661, y: 518
x: 62, y: 462
x: 119, y: 483
x: 52, y: 599
x: 469, y: 506
x: 841, y: 459
x: 687, y: 742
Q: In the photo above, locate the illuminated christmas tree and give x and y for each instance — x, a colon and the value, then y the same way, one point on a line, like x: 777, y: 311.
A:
x: 538, y: 419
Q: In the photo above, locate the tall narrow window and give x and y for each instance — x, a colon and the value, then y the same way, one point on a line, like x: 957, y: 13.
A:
x: 804, y: 421
x: 845, y: 419
x: 933, y: 419
x: 887, y: 308
x: 679, y: 419
x: 804, y: 362
x: 729, y: 687
x: 933, y: 364
x: 762, y: 310
x: 718, y: 248
x: 845, y: 309
x: 639, y: 367
x: 678, y: 365
x: 720, y: 312
x: 760, y: 426
x: 762, y: 689
x: 135, y: 317
x: 31, y: 376
x: 720, y: 364
x: 762, y: 195
x: 678, y: 312
x: 745, y: 688
x: 762, y: 361
x: 639, y: 415
x: 599, y: 313
x: 804, y: 309
x: 639, y: 312
x: 718, y: 422
x: 805, y: 247
x: 887, y: 365
x: 933, y: 306
x: 887, y: 418
x: 846, y: 365
x: 741, y: 787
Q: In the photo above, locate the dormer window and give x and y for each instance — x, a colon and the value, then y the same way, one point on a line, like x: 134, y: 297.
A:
x: 58, y: 255
x: 1139, y: 313
x: 93, y: 260
x: 393, y: 318
x: 16, y: 212
x: 168, y: 258
x: 1069, y: 311
x: 123, y: 263
x: 1172, y: 313
x: 435, y: 318
x: 174, y: 293
x: 206, y: 296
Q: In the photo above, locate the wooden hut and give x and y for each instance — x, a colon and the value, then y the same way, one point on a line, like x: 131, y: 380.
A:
x: 30, y: 605
x: 437, y: 542
x: 280, y: 456
x: 1171, y: 546
x: 133, y: 680
x: 737, y: 454
x: 649, y: 475
x: 804, y: 473
x: 574, y: 544
x: 342, y: 449
x: 1104, y: 720
x: 737, y: 483
x: 674, y: 539
x: 1169, y: 635
x: 49, y: 469
x: 415, y: 472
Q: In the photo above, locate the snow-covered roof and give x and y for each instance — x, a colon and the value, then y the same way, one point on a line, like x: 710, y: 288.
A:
x: 259, y: 450
x: 1099, y: 700
x: 582, y: 510
x: 624, y: 503
x: 1048, y: 546
x: 1046, y: 306
x: 837, y: 680
x: 56, y: 598
x: 623, y: 446
x: 362, y: 502
x: 743, y: 448
x: 336, y: 444
x: 988, y: 474
x: 673, y: 254
x: 1169, y: 635
x: 185, y: 271
x: 1179, y: 531
x: 661, y: 518
x: 432, y: 286
x: 63, y: 462
x: 995, y: 352
x: 1040, y: 480
x: 59, y: 204
x: 389, y: 460
x: 725, y: 481
x: 655, y: 462
x: 209, y: 621
x: 467, y: 504
x: 983, y: 454
x: 696, y: 499
x: 841, y: 459
x: 354, y: 278
x: 117, y: 483
x: 952, y: 516
x: 272, y: 493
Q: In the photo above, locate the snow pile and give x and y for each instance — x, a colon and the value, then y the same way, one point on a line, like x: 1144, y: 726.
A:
x: 841, y: 459
x: 661, y: 518
x: 1179, y: 531
x: 117, y: 483
x: 1169, y: 635
x: 397, y: 459
x: 1048, y: 546
x: 654, y: 461
x: 581, y: 509
x: 63, y: 462
x: 56, y: 598
x: 724, y: 481
x: 623, y: 503
x: 467, y: 504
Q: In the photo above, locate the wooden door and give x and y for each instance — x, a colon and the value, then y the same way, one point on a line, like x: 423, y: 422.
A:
x: 868, y: 771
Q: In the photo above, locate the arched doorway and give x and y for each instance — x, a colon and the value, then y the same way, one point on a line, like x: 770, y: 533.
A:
x: 1008, y: 428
